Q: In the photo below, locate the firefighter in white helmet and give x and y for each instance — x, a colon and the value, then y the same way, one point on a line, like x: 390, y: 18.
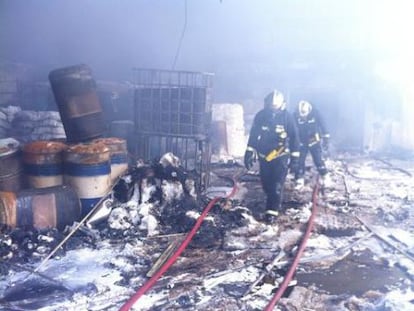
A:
x: 274, y: 141
x: 313, y: 136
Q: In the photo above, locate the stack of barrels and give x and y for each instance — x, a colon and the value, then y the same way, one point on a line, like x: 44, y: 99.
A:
x: 54, y: 205
x: 65, y: 179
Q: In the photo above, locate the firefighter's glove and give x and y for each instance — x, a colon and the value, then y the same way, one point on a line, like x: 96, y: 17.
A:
x: 249, y: 158
x: 325, y: 144
x: 294, y: 162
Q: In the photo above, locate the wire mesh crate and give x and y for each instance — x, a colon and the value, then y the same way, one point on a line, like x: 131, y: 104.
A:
x: 172, y: 113
x: 172, y: 103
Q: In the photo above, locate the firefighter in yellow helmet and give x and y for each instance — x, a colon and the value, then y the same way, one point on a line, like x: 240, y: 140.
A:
x: 274, y: 141
x: 313, y: 138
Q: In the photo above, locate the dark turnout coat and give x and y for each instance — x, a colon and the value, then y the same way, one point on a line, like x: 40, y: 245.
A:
x: 311, y: 128
x: 273, y: 130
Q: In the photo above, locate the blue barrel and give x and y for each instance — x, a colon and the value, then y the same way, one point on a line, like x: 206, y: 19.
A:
x: 53, y: 207
x: 43, y: 163
x: 119, y: 155
x: 87, y: 168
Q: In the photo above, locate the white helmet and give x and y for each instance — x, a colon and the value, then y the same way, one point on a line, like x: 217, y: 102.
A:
x: 304, y: 108
x: 275, y: 100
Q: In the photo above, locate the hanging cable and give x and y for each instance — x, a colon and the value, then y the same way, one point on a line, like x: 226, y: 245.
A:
x: 182, y: 35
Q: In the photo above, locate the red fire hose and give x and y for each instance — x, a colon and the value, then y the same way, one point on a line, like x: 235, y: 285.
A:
x: 175, y: 256
x: 302, y: 246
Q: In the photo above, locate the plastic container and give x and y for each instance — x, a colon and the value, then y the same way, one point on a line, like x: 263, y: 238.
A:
x: 119, y: 155
x: 87, y: 168
x: 43, y: 163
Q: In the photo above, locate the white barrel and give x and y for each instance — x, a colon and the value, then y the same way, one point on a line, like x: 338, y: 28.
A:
x: 119, y: 155
x: 43, y: 163
x: 87, y: 169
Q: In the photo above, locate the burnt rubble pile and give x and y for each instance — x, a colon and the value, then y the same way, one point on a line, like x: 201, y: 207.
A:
x: 149, y: 200
x: 103, y: 261
x: 157, y: 200
x: 22, y: 246
x: 212, y: 230
x: 19, y: 246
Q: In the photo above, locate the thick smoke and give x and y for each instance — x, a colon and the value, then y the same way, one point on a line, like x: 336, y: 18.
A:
x: 325, y: 51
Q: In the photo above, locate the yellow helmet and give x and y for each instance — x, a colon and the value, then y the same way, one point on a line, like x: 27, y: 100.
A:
x: 304, y: 108
x: 275, y: 100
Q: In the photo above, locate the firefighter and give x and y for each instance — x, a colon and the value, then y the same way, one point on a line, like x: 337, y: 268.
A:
x: 274, y: 141
x: 313, y: 138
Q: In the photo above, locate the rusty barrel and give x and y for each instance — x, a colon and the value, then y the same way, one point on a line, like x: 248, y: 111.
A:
x: 43, y: 163
x: 10, y: 165
x: 52, y: 207
x: 119, y: 155
x: 79, y: 106
x: 87, y: 168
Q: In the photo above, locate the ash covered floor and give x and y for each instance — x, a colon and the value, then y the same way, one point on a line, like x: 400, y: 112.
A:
x: 359, y: 256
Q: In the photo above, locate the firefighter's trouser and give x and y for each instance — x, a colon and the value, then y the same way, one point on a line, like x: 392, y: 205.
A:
x: 273, y: 176
x: 316, y: 152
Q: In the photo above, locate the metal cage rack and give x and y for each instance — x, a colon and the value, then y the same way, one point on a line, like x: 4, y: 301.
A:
x: 172, y: 113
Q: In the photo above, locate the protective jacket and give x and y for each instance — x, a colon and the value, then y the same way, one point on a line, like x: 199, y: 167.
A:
x: 273, y: 134
x: 311, y: 128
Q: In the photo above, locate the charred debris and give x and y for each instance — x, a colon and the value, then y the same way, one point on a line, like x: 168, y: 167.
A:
x: 133, y: 212
x: 235, y: 257
x: 150, y: 199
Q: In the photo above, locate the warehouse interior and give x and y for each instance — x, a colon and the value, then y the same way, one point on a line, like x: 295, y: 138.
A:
x: 123, y: 132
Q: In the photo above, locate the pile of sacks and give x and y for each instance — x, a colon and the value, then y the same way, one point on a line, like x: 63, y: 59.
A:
x: 37, y: 125
x: 6, y: 117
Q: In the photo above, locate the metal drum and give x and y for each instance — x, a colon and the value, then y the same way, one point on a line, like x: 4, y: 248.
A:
x: 119, y: 155
x: 54, y: 207
x: 43, y: 163
x: 10, y: 165
x: 87, y: 168
x: 80, y: 110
